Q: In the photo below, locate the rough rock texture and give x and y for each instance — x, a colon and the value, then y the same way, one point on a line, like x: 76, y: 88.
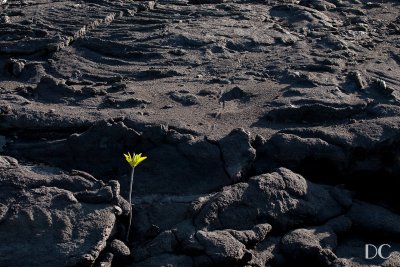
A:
x: 282, y: 198
x: 315, y: 245
x: 221, y: 247
x: 41, y: 216
x: 312, y: 62
x: 237, y: 153
x: 271, y: 130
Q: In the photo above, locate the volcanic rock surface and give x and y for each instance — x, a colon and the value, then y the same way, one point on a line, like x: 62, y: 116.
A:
x: 272, y: 131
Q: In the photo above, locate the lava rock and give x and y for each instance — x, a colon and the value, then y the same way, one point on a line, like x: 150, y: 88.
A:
x: 44, y: 218
x: 236, y: 93
x: 106, y: 260
x: 237, y: 152
x: 283, y: 199
x: 185, y: 99
x: 94, y: 151
x: 252, y: 237
x: 165, y: 242
x: 112, y: 102
x: 375, y: 220
x: 52, y: 90
x: 103, y: 195
x: 303, y: 246
x: 119, y: 249
x: 302, y: 148
x: 185, y: 233
x: 319, y: 113
x: 3, y: 212
x: 15, y: 67
x: 221, y: 247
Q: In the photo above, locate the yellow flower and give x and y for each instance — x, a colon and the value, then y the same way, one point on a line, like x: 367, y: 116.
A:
x: 135, y: 159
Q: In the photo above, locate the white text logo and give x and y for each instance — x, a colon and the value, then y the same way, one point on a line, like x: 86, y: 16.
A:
x: 372, y: 251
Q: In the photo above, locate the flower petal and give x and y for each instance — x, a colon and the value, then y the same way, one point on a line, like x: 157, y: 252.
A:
x: 134, y: 159
x: 140, y: 160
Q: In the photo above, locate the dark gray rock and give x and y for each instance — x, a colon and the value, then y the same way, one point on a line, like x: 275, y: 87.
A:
x: 302, y: 148
x: 328, y: 70
x: 161, y: 213
x: 314, y: 245
x: 113, y: 102
x: 123, y: 204
x: 339, y: 225
x: 384, y: 110
x: 252, y: 237
x: 163, y: 243
x: 185, y: 99
x: 359, y: 80
x: 298, y: 16
x: 106, y: 260
x: 185, y: 233
x: 283, y: 199
x: 54, y: 91
x: 267, y: 252
x: 153, y: 74
x: 99, y: 150
x: 375, y: 220
x: 303, y: 246
x: 207, y: 92
x: 236, y: 93
x: 119, y: 249
x: 314, y: 150
x: 320, y: 5
x: 221, y: 247
x: 92, y: 146
x: 115, y: 187
x: 93, y: 91
x: 237, y: 153
x: 315, y: 113
x: 148, y: 5
x: 41, y: 216
x: 15, y: 67
x: 3, y: 212
x: 103, y: 195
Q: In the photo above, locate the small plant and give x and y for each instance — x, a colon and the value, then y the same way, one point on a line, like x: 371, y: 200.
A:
x: 133, y: 161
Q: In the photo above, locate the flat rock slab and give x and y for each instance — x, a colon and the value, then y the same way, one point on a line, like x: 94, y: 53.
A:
x: 41, y: 217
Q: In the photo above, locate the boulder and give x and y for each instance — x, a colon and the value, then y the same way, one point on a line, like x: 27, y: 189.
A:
x: 41, y: 216
x: 222, y: 247
x: 237, y: 153
x: 282, y: 198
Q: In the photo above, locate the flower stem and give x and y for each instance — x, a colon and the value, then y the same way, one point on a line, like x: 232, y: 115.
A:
x: 130, y: 205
